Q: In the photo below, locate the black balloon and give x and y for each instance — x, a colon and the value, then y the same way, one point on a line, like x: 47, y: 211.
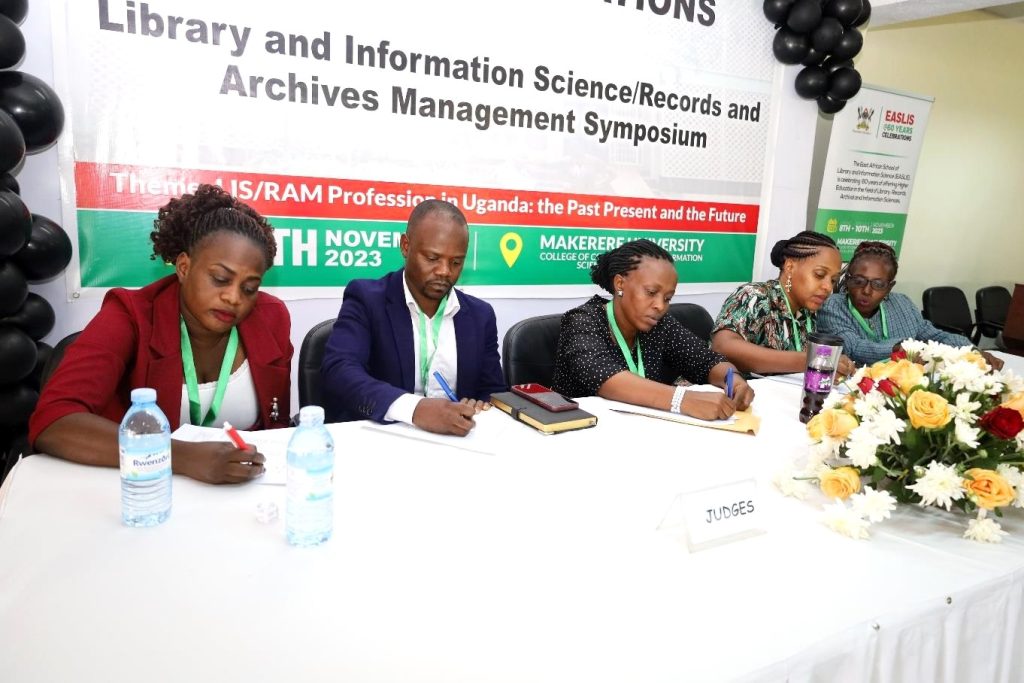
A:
x: 48, y: 251
x: 865, y: 14
x: 15, y: 223
x: 15, y: 10
x: 43, y: 353
x: 17, y: 355
x: 849, y: 45
x: 13, y: 290
x: 846, y: 11
x: 776, y: 11
x: 827, y: 34
x: 813, y: 57
x: 9, y: 183
x: 831, y: 64
x: 12, y: 43
x: 843, y: 84
x: 811, y: 82
x: 34, y: 106
x: 35, y: 317
x: 827, y: 105
x: 18, y: 400
x: 804, y: 15
x: 790, y: 47
x: 12, y: 143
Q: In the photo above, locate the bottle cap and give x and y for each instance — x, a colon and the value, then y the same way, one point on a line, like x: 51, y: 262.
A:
x: 311, y: 413
x: 143, y: 395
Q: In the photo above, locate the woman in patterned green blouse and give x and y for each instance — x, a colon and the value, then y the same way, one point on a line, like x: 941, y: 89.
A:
x: 763, y: 326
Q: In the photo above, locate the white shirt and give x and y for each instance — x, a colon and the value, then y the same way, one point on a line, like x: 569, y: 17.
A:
x: 445, y: 360
x: 239, y: 406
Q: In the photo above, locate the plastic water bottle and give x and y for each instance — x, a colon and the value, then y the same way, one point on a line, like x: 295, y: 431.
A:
x: 309, y: 518
x: 144, y: 439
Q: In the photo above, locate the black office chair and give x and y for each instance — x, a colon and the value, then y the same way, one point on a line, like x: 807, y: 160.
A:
x: 695, y: 318
x: 56, y: 356
x: 311, y: 355
x: 992, y: 305
x: 948, y: 310
x: 528, y: 350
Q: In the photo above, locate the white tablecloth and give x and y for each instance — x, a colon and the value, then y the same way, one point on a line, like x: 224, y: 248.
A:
x: 540, y: 563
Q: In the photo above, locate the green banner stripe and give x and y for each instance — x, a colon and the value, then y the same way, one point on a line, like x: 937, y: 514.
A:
x: 114, y: 249
x: 850, y: 228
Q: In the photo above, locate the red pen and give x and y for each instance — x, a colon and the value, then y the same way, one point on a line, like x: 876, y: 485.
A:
x: 235, y: 437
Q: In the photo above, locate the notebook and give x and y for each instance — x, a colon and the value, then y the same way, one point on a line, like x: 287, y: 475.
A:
x: 542, y: 419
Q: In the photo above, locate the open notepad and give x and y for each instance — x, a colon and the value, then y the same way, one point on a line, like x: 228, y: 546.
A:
x: 486, y: 437
x: 273, y: 444
x: 743, y: 421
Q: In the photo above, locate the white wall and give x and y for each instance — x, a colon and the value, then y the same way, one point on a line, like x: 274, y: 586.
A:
x: 784, y: 200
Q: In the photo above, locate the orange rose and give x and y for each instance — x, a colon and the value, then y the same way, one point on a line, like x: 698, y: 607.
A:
x: 987, y: 488
x: 832, y: 422
x: 1015, y: 402
x: 840, y: 483
x: 903, y: 373
x: 928, y: 410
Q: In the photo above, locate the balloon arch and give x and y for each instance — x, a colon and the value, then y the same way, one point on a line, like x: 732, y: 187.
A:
x: 33, y: 248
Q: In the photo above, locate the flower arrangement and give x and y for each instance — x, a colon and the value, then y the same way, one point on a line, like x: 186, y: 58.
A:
x: 934, y: 425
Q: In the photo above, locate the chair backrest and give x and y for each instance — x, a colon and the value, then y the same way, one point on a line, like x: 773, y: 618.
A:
x: 55, y: 358
x: 311, y: 355
x: 947, y: 308
x: 528, y: 350
x: 694, y: 318
x: 992, y: 306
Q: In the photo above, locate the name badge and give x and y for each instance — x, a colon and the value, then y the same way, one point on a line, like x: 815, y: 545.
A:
x: 716, y: 515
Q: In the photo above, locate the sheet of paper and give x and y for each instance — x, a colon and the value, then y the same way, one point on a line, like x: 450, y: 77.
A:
x: 485, y: 438
x: 666, y: 415
x: 796, y: 378
x: 273, y: 444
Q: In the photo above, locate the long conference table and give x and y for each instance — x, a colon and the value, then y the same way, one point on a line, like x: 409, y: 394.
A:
x: 541, y: 562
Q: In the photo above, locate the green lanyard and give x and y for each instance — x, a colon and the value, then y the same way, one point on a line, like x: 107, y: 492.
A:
x: 864, y: 323
x: 796, y: 330
x: 435, y: 331
x: 636, y: 368
x: 192, y: 382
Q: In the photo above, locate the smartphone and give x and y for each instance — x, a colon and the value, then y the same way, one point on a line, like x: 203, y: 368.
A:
x: 544, y: 397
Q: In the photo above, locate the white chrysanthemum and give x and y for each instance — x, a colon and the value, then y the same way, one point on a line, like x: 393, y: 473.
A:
x: 832, y: 400
x: 939, y: 485
x: 796, y: 488
x: 862, y: 446
x: 886, y: 426
x: 1016, y: 478
x: 964, y: 408
x: 845, y: 520
x: 1020, y: 442
x: 869, y: 404
x: 1011, y: 380
x: 966, y: 434
x: 857, y: 376
x: 873, y: 505
x: 984, y: 530
x: 963, y: 375
x: 913, y: 348
x: 936, y: 352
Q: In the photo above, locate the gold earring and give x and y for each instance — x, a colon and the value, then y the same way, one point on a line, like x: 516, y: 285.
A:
x: 789, y: 284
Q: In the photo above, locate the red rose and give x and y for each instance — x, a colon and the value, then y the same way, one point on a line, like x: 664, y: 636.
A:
x: 898, y: 355
x: 866, y: 385
x: 887, y: 387
x: 1004, y: 423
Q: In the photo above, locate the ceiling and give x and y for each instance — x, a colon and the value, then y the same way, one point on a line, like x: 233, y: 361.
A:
x: 885, y: 12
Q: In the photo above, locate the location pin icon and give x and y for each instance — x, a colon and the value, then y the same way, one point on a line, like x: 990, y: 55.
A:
x: 511, y: 247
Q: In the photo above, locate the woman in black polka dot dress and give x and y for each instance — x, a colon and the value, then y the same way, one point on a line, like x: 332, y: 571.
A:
x: 628, y: 350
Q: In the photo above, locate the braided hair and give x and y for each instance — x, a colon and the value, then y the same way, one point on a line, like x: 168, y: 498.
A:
x: 866, y: 250
x: 186, y: 221
x: 802, y: 245
x: 624, y: 259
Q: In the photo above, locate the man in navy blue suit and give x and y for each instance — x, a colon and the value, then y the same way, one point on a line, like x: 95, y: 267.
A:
x: 395, y: 336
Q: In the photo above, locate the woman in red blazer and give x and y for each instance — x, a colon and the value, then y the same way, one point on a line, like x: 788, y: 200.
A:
x: 220, y: 249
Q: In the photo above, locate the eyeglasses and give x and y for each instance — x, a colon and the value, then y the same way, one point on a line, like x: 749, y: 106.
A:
x: 857, y: 281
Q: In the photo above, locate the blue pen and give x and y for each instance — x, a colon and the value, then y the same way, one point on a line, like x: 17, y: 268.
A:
x: 444, y: 386
x: 728, y: 382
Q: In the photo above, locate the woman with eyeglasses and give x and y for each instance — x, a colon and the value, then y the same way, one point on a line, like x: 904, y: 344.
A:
x: 870, y: 317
